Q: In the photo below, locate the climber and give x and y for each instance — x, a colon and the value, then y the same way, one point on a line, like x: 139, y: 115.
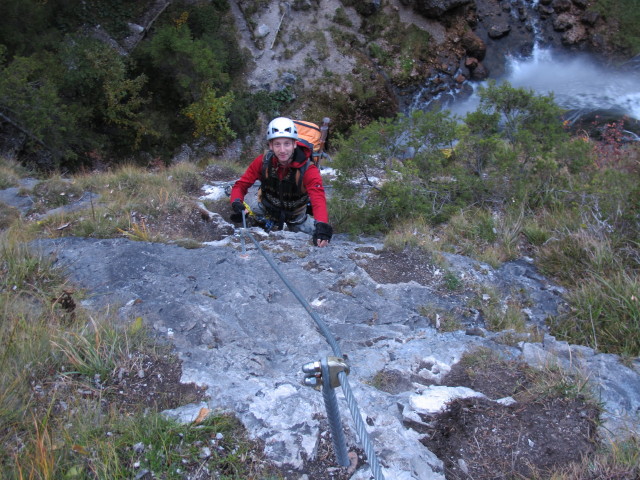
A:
x: 289, y: 183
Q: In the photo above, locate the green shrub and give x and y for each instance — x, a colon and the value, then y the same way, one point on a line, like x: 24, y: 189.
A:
x: 535, y: 234
x: 625, y: 14
x: 341, y: 18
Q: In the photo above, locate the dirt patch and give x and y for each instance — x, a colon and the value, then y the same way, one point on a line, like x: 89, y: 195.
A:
x: 148, y: 383
x: 189, y: 227
x: 477, y: 438
x: 154, y: 384
x: 400, y: 267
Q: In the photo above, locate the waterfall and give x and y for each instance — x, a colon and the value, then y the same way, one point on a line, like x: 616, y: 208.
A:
x: 577, y: 82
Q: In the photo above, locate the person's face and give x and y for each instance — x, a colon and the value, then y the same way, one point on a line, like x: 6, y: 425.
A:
x: 283, y: 149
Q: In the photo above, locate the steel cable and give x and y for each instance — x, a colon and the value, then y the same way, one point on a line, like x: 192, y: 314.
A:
x: 361, y: 429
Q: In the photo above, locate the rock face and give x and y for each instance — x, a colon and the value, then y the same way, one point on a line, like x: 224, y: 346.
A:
x: 241, y: 332
x: 487, y: 30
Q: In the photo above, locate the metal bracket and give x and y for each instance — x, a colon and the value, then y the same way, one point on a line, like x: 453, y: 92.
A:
x: 313, y: 372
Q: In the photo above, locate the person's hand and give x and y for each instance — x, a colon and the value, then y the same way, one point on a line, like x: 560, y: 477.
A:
x: 238, y: 206
x: 322, y: 234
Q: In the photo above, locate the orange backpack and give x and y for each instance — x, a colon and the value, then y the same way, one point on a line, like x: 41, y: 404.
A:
x: 313, y: 136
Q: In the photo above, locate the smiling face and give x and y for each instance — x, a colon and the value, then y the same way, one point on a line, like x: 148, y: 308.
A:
x: 283, y: 149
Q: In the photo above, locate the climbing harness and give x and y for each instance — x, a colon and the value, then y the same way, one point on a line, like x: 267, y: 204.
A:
x: 329, y: 373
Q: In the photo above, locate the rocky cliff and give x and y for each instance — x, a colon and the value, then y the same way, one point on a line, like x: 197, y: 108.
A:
x: 400, y: 49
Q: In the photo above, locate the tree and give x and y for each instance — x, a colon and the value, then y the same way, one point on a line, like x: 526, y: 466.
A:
x: 209, y: 114
x: 182, y: 67
x: 30, y: 100
x: 98, y: 81
x: 530, y: 123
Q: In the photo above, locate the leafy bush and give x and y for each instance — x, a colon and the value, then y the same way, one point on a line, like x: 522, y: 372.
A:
x: 529, y: 123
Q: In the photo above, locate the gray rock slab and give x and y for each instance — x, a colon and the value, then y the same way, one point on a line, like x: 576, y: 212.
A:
x: 240, y: 332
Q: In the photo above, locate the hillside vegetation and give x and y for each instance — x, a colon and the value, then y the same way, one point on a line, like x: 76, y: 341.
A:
x: 81, y: 87
x: 506, y: 181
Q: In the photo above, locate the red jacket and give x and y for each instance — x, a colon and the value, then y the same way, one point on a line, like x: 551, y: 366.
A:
x: 311, y: 180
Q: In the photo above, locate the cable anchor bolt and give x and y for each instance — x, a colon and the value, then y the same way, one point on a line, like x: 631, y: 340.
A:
x: 313, y: 372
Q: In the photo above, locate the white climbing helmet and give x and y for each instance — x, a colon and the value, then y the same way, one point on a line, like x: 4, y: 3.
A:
x: 282, y: 127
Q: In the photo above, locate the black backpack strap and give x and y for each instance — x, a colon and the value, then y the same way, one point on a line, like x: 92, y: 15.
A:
x: 302, y: 171
x: 266, y: 159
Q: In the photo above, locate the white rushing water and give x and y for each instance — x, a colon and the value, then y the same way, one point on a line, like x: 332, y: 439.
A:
x: 577, y: 82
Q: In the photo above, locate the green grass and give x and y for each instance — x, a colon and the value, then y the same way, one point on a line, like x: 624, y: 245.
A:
x: 441, y: 320
x: 58, y: 363
x: 604, y: 314
x: 53, y: 355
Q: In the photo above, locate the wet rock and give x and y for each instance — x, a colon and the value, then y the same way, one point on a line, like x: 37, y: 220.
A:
x: 499, y: 30
x: 471, y: 63
x: 545, y: 10
x: 479, y: 72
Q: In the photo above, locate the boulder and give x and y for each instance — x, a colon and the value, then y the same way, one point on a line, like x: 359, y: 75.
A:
x: 479, y: 73
x: 471, y: 63
x: 437, y: 8
x: 577, y: 34
x: 545, y: 10
x: 473, y: 45
x: 564, y: 22
x: 499, y: 30
x: 562, y: 5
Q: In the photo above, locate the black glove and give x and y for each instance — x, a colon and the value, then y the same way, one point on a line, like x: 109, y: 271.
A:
x: 323, y: 231
x: 237, y: 206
